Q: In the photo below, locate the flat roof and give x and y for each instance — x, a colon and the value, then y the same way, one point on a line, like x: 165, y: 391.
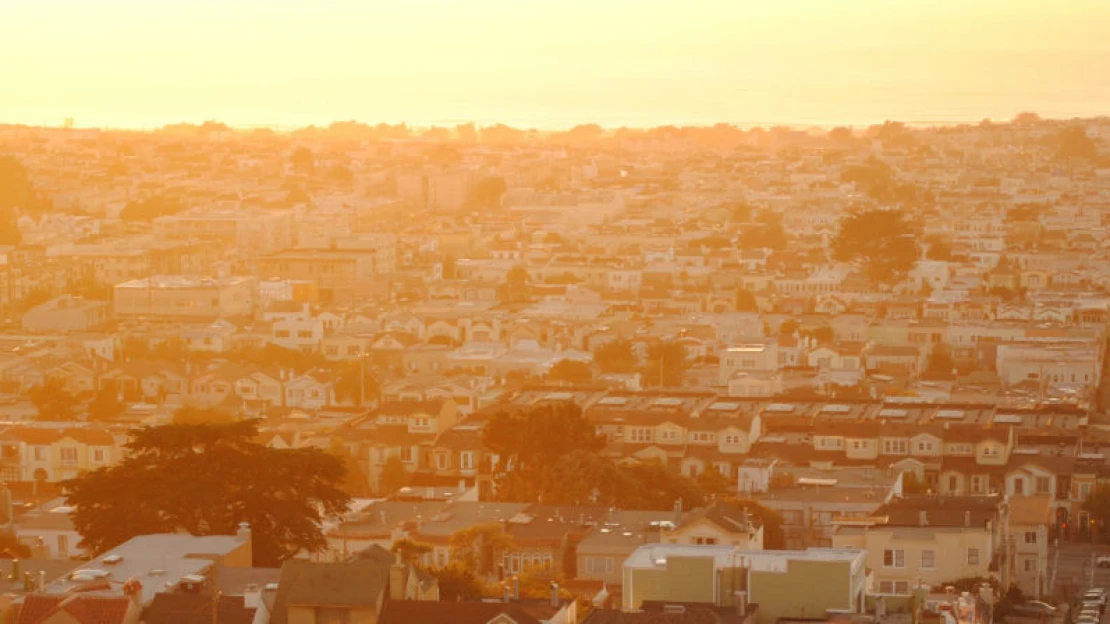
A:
x: 185, y: 281
x: 654, y: 556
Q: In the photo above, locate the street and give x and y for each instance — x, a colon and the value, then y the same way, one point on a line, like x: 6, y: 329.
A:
x: 1072, y: 565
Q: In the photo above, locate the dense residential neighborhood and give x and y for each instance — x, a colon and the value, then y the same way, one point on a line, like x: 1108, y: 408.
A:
x: 685, y: 374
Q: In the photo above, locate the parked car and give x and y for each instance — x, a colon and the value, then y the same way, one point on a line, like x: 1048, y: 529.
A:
x: 1034, y: 609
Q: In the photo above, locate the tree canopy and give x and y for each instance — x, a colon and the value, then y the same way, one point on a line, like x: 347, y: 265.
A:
x: 882, y: 241
x: 1074, y: 143
x: 570, y: 371
x: 1098, y: 504
x: 205, y: 479
x: 666, y: 364
x: 550, y: 453
x: 53, y: 401
x: 616, y: 357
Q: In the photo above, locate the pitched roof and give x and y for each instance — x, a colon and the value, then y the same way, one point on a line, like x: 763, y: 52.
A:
x: 355, y: 583
x: 412, y: 611
x: 182, y: 608
x: 83, y: 608
x: 731, y: 518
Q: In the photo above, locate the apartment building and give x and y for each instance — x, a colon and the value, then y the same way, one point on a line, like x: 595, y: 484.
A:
x: 185, y: 297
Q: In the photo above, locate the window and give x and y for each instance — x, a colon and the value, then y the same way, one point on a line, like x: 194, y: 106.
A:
x: 705, y: 541
x: 703, y: 436
x: 670, y: 435
x: 928, y: 559
x: 894, y: 587
x: 791, y: 517
x: 924, y: 447
x: 1030, y: 565
x: 829, y: 442
x: 1043, y: 485
x: 441, y: 461
x: 895, y: 447
x: 99, y: 456
x: 972, y: 556
x: 732, y: 439
x: 859, y: 445
x: 1019, y: 486
x: 406, y: 454
x: 977, y: 485
x: 63, y: 545
x: 639, y: 434
x: 894, y: 558
x: 466, y: 460
x: 991, y: 450
x: 40, y: 453
x: 1084, y: 490
x: 599, y: 565
x: 304, y: 333
x: 723, y: 468
x: 1030, y: 537
x: 69, y: 455
x: 953, y: 484
x: 282, y: 333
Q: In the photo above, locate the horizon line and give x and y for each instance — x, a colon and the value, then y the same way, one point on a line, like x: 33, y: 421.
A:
x: 553, y: 128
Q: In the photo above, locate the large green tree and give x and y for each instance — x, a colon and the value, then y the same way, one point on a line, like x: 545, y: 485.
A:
x: 550, y: 453
x: 205, y: 479
x: 882, y: 241
x: 535, y: 446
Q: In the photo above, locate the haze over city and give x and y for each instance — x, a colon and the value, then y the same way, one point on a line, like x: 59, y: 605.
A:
x: 549, y: 64
x: 554, y: 312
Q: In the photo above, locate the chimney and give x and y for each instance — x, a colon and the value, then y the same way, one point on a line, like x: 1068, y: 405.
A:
x: 397, y: 579
x: 555, y: 595
x: 516, y: 588
x: 133, y: 589
x: 6, y: 505
x: 244, y: 533
x: 924, y: 519
x: 740, y: 599
x: 967, y: 519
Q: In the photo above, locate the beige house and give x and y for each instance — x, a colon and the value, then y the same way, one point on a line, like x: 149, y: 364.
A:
x: 934, y: 539
x: 1030, y: 517
x: 718, y: 523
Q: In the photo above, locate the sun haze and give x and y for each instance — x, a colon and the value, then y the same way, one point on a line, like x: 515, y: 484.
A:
x: 548, y: 63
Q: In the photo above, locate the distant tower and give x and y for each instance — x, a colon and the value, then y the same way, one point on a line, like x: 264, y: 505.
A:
x: 68, y: 123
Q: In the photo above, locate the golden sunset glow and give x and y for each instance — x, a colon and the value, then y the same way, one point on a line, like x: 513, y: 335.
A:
x: 549, y: 63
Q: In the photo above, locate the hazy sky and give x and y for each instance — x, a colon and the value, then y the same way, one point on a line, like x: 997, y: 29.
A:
x: 549, y: 63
